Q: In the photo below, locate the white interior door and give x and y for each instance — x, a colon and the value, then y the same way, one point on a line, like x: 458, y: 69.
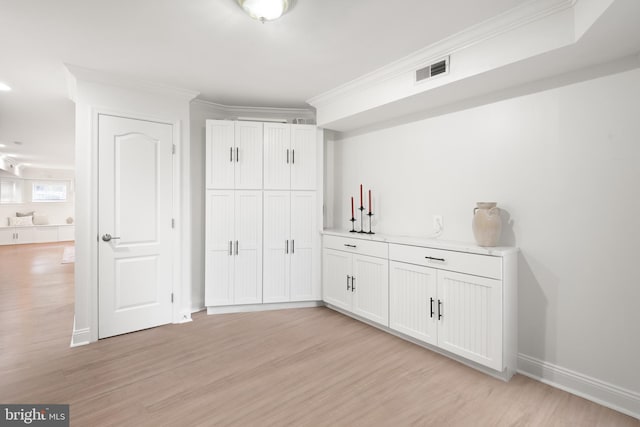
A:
x: 248, y: 155
x: 219, y: 248
x: 303, y: 157
x: 220, y: 152
x: 303, y: 219
x: 277, y: 248
x: 135, y: 180
x: 277, y: 156
x: 248, y: 248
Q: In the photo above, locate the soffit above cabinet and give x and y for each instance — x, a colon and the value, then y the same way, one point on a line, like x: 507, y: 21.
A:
x: 497, y: 59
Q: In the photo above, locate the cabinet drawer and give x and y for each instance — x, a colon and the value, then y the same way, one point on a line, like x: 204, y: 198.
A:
x: 479, y: 265
x: 357, y: 246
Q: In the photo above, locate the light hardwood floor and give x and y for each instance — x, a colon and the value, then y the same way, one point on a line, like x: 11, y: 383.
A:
x: 305, y: 367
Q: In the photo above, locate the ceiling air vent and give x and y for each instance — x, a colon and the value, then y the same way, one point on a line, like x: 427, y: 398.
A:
x: 432, y: 70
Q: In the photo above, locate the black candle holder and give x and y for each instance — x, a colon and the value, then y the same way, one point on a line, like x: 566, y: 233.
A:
x: 353, y: 225
x: 370, y: 214
x: 361, y: 208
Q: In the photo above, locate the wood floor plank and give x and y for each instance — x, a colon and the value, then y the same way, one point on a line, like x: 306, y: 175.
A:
x: 303, y: 367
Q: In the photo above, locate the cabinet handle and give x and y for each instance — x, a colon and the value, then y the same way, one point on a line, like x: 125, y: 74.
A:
x: 237, y: 154
x: 286, y: 246
x: 350, y: 246
x: 236, y: 247
x: 230, y: 247
x: 293, y: 246
x: 353, y: 284
x: 348, y: 285
x: 293, y: 157
x: 431, y: 306
x: 435, y: 259
x: 439, y: 309
x: 287, y: 156
x: 231, y: 154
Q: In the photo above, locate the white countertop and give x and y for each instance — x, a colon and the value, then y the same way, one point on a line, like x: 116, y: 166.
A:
x: 29, y: 226
x: 425, y: 242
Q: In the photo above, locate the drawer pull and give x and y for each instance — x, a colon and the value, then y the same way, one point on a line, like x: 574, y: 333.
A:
x: 353, y: 284
x: 434, y: 259
x: 439, y: 309
x: 431, y: 306
x: 350, y: 246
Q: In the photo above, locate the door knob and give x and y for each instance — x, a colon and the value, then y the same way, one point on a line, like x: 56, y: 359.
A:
x: 107, y: 237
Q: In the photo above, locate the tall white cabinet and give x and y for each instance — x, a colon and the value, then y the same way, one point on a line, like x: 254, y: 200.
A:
x: 263, y: 238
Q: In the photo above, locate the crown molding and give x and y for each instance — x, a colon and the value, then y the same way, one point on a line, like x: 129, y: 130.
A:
x: 235, y: 110
x: 75, y: 73
x: 517, y: 17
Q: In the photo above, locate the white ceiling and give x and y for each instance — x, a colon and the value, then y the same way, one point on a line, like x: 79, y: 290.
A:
x: 209, y: 46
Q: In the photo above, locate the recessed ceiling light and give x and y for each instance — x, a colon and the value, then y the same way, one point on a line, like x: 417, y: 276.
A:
x: 4, y: 87
x: 2, y: 146
x: 17, y: 142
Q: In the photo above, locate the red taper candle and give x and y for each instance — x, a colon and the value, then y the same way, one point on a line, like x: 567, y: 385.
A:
x: 369, y: 201
x: 361, y: 205
x: 352, y: 211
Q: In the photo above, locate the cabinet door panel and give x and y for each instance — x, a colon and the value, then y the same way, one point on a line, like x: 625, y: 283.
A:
x: 277, y: 143
x: 220, y: 154
x: 219, y: 259
x: 471, y: 324
x: 248, y: 155
x: 336, y: 266
x: 7, y: 236
x: 248, y: 247
x: 25, y: 235
x: 371, y: 293
x: 304, y: 285
x: 303, y: 157
x: 411, y: 289
x: 276, y: 246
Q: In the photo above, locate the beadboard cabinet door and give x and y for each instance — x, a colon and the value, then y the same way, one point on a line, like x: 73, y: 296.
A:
x: 220, y: 261
x: 336, y: 278
x: 277, y: 156
x: 370, y: 288
x: 304, y: 284
x: 248, y: 155
x: 277, y: 261
x: 220, y: 148
x: 248, y: 247
x: 413, y: 303
x: 471, y: 317
x: 303, y: 157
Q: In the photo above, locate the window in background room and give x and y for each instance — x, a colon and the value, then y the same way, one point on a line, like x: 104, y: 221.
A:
x: 10, y: 190
x: 49, y: 191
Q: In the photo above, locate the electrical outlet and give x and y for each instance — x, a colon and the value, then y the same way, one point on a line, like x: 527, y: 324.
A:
x: 438, y: 224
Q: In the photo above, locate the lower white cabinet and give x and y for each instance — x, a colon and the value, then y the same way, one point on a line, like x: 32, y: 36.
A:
x: 457, y: 312
x: 233, y: 247
x: 357, y: 283
x: 36, y: 234
x: 290, y: 247
x: 461, y: 299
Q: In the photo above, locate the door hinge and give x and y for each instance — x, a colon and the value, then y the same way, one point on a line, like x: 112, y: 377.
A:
x: 171, y: 297
x: 173, y: 223
x: 173, y: 149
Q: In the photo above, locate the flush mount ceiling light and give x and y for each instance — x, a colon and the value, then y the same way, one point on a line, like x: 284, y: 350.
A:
x: 265, y: 10
x: 4, y: 87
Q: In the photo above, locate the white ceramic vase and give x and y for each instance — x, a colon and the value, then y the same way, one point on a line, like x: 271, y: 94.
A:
x: 486, y: 224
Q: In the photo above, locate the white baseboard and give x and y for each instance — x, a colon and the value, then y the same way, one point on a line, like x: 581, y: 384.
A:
x: 262, y: 307
x: 603, y: 393
x: 80, y: 337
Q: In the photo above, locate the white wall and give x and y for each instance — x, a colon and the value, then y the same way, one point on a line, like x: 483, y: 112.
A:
x: 200, y: 112
x: 563, y: 164
x: 92, y: 91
